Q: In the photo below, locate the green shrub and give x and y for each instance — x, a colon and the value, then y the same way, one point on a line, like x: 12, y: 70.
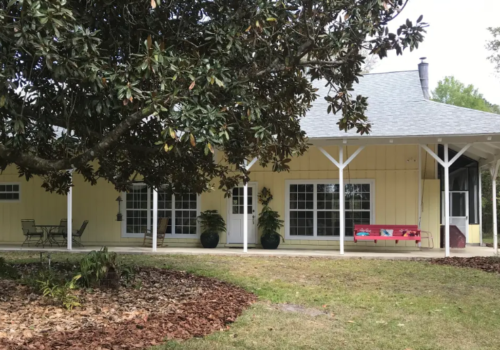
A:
x: 270, y: 222
x: 34, y: 278
x: 127, y: 274
x: 7, y: 271
x: 61, y: 293
x: 212, y: 221
x: 99, y: 268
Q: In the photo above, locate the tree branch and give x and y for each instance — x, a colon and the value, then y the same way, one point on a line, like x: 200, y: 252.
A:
x: 40, y: 164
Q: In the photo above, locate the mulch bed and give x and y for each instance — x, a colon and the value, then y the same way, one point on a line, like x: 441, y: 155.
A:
x: 165, y: 305
x: 488, y: 264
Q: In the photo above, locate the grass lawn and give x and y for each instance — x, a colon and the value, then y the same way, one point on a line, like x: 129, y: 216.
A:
x: 345, y: 303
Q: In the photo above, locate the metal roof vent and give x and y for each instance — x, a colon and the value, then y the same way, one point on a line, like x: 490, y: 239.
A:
x: 423, y: 71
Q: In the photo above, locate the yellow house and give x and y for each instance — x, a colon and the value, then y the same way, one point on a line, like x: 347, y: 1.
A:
x: 420, y: 165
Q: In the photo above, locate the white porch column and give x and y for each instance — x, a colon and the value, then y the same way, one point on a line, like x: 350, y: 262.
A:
x: 419, y: 187
x: 341, y: 165
x: 446, y: 165
x: 245, y: 207
x: 341, y: 200
x: 480, y: 206
x: 446, y: 202
x: 155, y: 219
x: 245, y: 218
x: 494, y: 175
x: 69, y: 214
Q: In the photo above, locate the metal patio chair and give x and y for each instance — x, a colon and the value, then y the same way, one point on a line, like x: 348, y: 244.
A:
x: 60, y: 234
x: 160, y: 238
x: 77, y: 234
x: 31, y: 231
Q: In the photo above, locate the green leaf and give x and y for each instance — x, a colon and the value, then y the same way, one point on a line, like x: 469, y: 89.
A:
x: 2, y: 101
x: 271, y: 19
x: 219, y: 82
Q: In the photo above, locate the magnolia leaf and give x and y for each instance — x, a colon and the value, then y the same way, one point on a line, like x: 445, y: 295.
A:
x: 168, y: 148
x: 219, y: 82
x: 150, y: 42
x: 172, y: 133
x: 248, y: 29
x: 271, y: 19
x: 191, y: 87
x: 210, y: 147
x: 2, y: 101
x: 192, y: 139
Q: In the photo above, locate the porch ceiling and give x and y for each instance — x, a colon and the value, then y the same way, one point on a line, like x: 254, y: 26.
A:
x: 485, y: 148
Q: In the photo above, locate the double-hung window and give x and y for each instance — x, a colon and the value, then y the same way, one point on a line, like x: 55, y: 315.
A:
x: 313, y: 207
x: 181, y: 209
x: 10, y: 192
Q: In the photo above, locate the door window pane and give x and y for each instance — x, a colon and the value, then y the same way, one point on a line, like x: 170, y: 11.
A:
x: 458, y: 204
x: 238, y: 200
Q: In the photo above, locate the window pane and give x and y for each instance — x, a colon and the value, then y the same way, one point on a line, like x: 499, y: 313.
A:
x: 301, y: 197
x: 301, y: 223
x: 327, y: 222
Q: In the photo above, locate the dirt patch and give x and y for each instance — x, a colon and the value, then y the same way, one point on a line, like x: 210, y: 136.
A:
x: 301, y: 310
x: 488, y: 264
x: 164, y: 305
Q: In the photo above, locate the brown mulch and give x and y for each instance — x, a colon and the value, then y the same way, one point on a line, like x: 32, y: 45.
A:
x: 488, y: 264
x: 490, y: 245
x: 164, y: 305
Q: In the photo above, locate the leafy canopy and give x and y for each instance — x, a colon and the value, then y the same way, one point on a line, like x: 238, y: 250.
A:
x: 494, y: 47
x: 454, y: 92
x: 112, y: 89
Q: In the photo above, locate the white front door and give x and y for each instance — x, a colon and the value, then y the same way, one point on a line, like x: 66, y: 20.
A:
x: 235, y: 222
x: 459, y: 211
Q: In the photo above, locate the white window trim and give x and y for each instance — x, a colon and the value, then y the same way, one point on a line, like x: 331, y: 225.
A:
x: 12, y: 200
x: 371, y: 182
x: 123, y: 210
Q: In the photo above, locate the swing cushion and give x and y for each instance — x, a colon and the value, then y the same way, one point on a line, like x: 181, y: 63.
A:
x: 399, y: 233
x: 364, y: 234
x: 386, y: 232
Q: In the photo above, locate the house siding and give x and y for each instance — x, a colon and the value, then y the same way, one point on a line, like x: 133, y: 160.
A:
x: 394, y: 170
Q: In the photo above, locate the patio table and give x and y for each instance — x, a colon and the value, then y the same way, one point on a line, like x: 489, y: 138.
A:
x: 46, y: 229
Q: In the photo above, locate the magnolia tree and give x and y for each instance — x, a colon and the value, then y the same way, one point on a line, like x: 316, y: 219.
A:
x: 112, y: 89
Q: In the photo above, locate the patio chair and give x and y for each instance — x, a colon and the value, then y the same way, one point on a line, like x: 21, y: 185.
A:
x: 160, y: 238
x: 31, y: 231
x: 77, y: 234
x: 60, y: 235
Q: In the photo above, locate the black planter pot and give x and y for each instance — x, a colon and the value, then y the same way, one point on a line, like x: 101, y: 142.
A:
x: 270, y: 241
x: 209, y: 239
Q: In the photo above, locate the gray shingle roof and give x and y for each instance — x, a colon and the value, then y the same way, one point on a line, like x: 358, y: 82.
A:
x: 397, y: 107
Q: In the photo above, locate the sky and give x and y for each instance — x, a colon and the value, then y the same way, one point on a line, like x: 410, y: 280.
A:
x: 454, y: 44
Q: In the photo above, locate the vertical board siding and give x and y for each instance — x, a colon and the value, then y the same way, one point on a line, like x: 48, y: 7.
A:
x: 394, y: 170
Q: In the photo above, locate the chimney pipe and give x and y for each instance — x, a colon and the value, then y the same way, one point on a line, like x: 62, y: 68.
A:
x: 423, y: 71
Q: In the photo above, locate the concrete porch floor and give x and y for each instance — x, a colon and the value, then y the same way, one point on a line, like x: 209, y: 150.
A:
x: 420, y: 254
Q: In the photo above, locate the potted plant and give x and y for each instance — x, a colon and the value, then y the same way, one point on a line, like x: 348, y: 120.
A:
x: 270, y: 223
x: 212, y: 224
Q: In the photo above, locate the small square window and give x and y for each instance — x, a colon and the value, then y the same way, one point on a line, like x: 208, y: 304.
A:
x: 9, y: 192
